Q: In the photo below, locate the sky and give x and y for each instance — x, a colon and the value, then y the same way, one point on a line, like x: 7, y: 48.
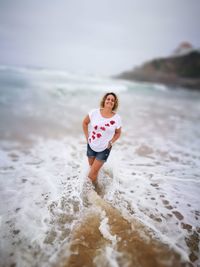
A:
x: 94, y: 36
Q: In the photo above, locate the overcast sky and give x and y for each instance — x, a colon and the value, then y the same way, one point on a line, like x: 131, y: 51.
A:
x: 104, y: 36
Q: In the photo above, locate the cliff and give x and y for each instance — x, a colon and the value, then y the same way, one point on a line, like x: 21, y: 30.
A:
x: 181, y: 71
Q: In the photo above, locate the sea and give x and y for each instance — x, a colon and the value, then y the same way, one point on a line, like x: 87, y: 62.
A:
x: 145, y: 208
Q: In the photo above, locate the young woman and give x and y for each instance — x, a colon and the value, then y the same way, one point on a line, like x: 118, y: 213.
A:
x: 104, y: 130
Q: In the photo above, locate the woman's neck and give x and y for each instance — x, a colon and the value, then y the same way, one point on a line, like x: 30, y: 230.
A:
x: 107, y: 111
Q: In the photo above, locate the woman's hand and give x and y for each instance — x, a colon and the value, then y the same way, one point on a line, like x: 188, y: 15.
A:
x: 110, y: 143
x: 115, y: 137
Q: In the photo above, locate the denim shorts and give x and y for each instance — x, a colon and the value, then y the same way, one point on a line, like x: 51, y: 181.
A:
x: 103, y: 155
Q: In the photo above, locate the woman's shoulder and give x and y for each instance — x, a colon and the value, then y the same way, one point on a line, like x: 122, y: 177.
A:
x: 117, y: 115
x: 93, y: 112
x: 118, y: 119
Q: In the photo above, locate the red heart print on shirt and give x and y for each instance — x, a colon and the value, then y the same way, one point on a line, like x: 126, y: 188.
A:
x: 103, y: 128
x: 95, y: 127
x: 107, y: 124
x: 112, y: 122
x: 98, y: 135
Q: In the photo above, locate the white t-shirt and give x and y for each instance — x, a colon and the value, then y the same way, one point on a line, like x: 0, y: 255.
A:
x: 102, y: 129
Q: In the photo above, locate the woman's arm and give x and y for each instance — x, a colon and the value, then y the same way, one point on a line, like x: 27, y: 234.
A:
x: 115, y: 137
x: 85, y: 123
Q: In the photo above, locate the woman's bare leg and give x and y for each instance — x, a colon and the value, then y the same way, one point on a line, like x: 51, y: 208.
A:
x: 96, y: 166
x: 91, y: 160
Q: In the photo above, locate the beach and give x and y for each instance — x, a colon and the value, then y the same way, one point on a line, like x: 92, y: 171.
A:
x: 145, y: 210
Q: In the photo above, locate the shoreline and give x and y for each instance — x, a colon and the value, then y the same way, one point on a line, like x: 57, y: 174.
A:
x: 160, y: 78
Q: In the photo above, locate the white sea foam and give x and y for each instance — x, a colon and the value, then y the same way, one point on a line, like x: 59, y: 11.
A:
x: 109, y: 257
x: 105, y: 229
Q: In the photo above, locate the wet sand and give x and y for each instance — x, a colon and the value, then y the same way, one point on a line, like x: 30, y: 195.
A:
x: 130, y: 241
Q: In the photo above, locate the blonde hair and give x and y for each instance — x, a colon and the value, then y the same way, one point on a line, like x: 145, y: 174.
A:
x: 102, y: 103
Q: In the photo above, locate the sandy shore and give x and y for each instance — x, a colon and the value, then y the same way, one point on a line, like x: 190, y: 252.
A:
x: 123, y: 242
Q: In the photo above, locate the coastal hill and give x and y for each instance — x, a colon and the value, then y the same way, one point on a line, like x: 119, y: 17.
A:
x: 181, y: 69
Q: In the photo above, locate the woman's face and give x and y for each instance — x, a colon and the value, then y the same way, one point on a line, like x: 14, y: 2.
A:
x: 109, y: 101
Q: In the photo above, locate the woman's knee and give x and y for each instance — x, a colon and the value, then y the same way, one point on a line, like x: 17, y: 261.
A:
x: 93, y: 171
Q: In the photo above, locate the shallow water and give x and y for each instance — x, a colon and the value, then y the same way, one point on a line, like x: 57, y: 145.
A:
x: 147, y: 210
